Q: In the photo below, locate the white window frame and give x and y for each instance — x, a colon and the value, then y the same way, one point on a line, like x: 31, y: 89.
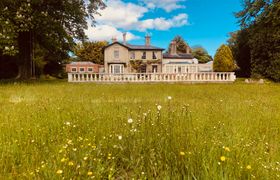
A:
x: 132, y: 55
x: 114, y: 70
x: 144, y: 57
x: 90, y: 69
x: 82, y: 68
x: 154, y: 53
x: 73, y: 68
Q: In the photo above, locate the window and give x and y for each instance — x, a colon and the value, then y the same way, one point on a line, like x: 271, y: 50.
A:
x: 82, y: 69
x: 116, y: 54
x: 144, y: 56
x: 90, y: 69
x: 73, y: 69
x: 116, y: 69
x: 154, y: 55
x: 132, y: 55
x: 154, y: 68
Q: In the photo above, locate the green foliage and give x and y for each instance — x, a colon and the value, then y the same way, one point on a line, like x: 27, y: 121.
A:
x: 182, y: 46
x: 53, y: 24
x: 261, y: 19
x: 240, y: 47
x: 201, y: 54
x: 91, y: 51
x: 223, y: 60
x: 69, y: 131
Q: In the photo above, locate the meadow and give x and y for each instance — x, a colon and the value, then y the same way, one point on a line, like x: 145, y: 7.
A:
x: 57, y: 130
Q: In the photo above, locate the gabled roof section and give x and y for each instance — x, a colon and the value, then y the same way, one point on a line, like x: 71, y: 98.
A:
x: 177, y: 56
x: 136, y: 47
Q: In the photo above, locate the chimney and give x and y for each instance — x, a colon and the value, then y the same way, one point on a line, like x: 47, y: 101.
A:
x: 188, y: 50
x: 114, y: 39
x: 124, y: 38
x: 173, y: 48
x: 148, y: 40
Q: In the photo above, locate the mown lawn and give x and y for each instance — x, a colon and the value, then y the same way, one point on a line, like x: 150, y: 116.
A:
x: 208, y: 131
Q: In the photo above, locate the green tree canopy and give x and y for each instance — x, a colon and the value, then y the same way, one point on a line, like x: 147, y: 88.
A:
x: 182, y: 45
x: 260, y: 18
x: 53, y: 24
x: 91, y: 51
x: 201, y: 54
x: 239, y: 45
x: 223, y: 60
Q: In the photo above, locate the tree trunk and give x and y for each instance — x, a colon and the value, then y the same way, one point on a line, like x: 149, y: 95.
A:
x: 25, y: 55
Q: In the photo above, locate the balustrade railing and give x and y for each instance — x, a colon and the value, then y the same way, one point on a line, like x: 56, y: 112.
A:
x: 153, y: 77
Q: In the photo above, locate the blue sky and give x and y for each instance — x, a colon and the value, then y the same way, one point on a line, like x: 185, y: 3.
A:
x: 199, y: 22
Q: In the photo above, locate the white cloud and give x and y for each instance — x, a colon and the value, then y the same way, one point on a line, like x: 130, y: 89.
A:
x: 164, y: 24
x: 120, y: 16
x: 167, y: 5
x: 106, y: 32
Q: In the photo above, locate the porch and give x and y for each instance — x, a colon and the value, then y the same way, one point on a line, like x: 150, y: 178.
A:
x: 201, y: 77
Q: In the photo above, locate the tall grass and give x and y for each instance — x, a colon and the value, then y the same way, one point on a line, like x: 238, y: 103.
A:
x: 79, y: 131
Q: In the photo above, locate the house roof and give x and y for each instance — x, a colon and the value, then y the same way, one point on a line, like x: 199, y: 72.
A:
x: 82, y: 63
x: 136, y: 47
x: 177, y: 56
x: 179, y: 63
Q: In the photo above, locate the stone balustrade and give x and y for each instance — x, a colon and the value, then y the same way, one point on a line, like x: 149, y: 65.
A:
x: 152, y: 77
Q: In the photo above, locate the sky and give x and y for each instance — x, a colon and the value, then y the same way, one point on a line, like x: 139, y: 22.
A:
x: 200, y: 22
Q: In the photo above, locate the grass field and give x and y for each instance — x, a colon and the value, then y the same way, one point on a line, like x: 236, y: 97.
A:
x: 208, y: 131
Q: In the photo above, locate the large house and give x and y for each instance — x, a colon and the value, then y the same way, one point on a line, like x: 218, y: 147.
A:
x: 123, y: 58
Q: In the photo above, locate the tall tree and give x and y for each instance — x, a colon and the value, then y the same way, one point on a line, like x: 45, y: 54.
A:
x: 223, y: 60
x: 53, y: 24
x: 182, y: 45
x: 261, y: 18
x: 91, y: 51
x: 201, y: 54
x: 240, y: 47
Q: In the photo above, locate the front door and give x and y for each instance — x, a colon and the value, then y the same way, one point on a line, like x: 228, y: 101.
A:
x: 116, y: 68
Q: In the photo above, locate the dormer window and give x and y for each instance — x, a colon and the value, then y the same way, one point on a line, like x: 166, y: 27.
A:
x: 144, y: 56
x: 154, y: 55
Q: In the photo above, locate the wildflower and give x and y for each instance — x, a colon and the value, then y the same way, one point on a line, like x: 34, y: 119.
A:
x: 169, y: 97
x: 120, y: 137
x: 59, y: 171
x: 85, y: 158
x: 223, y: 158
x: 227, y: 149
x: 71, y: 163
x: 182, y: 153
x: 68, y: 123
x: 159, y: 107
x: 89, y: 173
x: 130, y: 120
x: 248, y: 167
x: 63, y: 160
x: 74, y: 149
x: 145, y: 114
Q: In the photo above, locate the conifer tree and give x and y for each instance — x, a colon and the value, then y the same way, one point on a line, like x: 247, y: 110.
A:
x: 223, y: 60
